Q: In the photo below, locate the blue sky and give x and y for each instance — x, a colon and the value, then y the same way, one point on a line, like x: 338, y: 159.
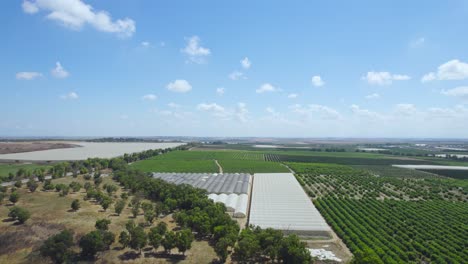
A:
x: 243, y: 68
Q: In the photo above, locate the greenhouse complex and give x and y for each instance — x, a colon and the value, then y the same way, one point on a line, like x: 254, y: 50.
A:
x: 275, y: 200
x: 279, y: 202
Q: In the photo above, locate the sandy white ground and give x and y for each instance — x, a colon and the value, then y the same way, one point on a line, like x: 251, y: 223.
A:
x: 432, y: 167
x: 88, y: 150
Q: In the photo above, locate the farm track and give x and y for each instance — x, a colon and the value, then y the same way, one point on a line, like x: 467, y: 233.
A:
x: 219, y: 166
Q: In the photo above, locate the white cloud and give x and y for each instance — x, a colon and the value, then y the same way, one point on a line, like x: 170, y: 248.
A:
x: 315, y: 110
x: 149, y: 97
x: 317, y: 81
x: 145, y: 44
x: 195, y: 52
x: 74, y: 14
x: 246, y: 63
x: 59, y: 71
x: 451, y: 70
x: 220, y: 91
x: 266, y: 87
x: 372, y: 96
x: 405, y: 109
x: 215, y: 109
x: 29, y: 7
x: 70, y: 96
x: 241, y: 112
x: 237, y: 75
x: 360, y: 112
x: 416, y: 43
x: 28, y: 75
x: 461, y: 92
x: 292, y: 96
x: 428, y: 77
x: 383, y: 78
x: 179, y: 86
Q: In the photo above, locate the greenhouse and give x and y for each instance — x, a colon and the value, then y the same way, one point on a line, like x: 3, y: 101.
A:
x: 279, y: 202
x: 227, y: 183
x: 237, y: 204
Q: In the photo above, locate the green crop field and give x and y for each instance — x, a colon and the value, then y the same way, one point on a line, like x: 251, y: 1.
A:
x: 203, y: 161
x: 5, y: 169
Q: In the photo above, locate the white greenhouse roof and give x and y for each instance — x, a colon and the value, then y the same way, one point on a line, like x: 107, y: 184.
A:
x: 279, y: 202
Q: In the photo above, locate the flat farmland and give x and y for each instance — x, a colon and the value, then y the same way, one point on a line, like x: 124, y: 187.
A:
x: 204, y: 161
x: 5, y: 169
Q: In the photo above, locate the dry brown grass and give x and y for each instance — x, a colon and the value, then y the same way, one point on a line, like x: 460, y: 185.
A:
x: 51, y: 213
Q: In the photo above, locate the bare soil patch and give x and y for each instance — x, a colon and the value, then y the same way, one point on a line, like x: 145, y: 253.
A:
x: 19, y: 147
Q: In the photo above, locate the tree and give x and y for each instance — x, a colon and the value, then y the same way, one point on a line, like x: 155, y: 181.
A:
x: 119, y: 206
x: 150, y: 215
x: 124, y: 239
x: 19, y: 214
x: 106, y: 202
x: 64, y: 191
x: 169, y: 241
x: 58, y: 247
x: 184, y: 240
x: 14, y: 197
x: 154, y: 238
x: 138, y: 238
x: 75, y: 186
x: 94, y: 242
x: 75, y: 205
x: 18, y: 184
x: 102, y: 224
x: 294, y: 251
x: 97, y: 181
x: 162, y: 228
x: 32, y: 185
x: 221, y: 249
x: 136, y: 209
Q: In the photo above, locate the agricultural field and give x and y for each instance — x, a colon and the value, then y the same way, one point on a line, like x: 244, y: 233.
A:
x: 391, y: 171
x: 390, y: 219
x: 204, y: 161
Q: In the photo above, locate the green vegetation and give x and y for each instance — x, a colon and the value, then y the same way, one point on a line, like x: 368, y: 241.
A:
x: 12, y: 169
x: 203, y: 161
x: 391, y: 219
x: 456, y: 174
x: 400, y: 231
x: 390, y: 171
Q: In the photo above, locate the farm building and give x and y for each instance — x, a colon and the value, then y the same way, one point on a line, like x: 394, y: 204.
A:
x: 279, y: 202
x: 231, y: 189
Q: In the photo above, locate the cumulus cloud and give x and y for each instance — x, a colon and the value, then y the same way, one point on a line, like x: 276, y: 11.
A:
x: 246, y: 63
x: 460, y: 92
x: 74, y: 14
x: 451, y: 70
x: 383, y: 78
x: 317, y: 81
x: 145, y: 44
x: 292, y: 96
x: 195, y: 52
x: 237, y: 75
x: 315, y: 110
x: 70, y: 96
x: 360, y: 112
x: 59, y: 71
x: 405, y: 109
x: 179, y: 86
x: 149, y: 97
x: 266, y: 88
x: 239, y: 113
x: 28, y: 75
x: 372, y: 96
x: 220, y: 91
